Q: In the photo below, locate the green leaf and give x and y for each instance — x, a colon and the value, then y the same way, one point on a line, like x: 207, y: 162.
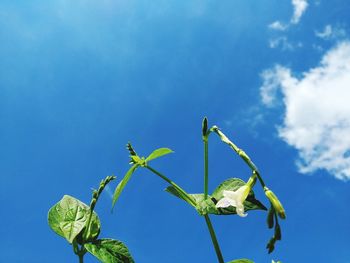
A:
x: 158, y: 153
x: 172, y: 190
x: 233, y: 184
x: 242, y: 260
x: 122, y: 183
x: 109, y: 251
x: 69, y: 217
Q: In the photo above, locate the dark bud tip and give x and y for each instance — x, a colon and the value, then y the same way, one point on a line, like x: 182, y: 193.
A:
x: 205, y: 126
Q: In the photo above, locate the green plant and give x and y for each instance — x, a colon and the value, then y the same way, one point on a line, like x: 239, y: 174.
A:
x: 80, y: 226
x: 233, y: 196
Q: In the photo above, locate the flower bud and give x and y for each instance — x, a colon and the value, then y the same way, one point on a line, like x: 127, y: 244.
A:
x: 275, y: 202
x: 278, y: 234
x: 204, y: 127
x: 270, y: 215
x: 271, y: 245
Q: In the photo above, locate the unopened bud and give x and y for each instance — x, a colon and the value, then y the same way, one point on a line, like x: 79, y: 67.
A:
x: 270, y: 216
x: 271, y: 245
x: 278, y: 234
x: 275, y: 202
x: 204, y: 127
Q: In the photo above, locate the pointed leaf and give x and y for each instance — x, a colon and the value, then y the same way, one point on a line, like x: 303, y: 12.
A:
x: 109, y: 251
x: 172, y: 190
x: 242, y: 260
x: 122, y: 183
x: 69, y: 217
x: 158, y: 153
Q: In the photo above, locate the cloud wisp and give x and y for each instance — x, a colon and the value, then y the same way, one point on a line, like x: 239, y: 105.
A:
x: 317, y: 111
x: 299, y: 8
x: 331, y: 33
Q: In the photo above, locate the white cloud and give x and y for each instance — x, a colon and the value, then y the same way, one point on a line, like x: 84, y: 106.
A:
x: 330, y: 32
x: 317, y: 111
x: 326, y: 33
x: 283, y: 43
x: 299, y: 9
x: 277, y: 25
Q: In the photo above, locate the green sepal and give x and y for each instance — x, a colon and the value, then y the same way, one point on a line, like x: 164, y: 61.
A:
x: 122, y: 183
x: 68, y: 218
x: 109, y: 251
x: 205, y: 206
x: 242, y: 260
x: 137, y: 160
x: 158, y: 153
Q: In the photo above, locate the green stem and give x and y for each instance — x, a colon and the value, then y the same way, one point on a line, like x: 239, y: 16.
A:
x: 213, y: 239
x: 81, y: 258
x: 79, y: 252
x: 185, y: 195
x: 88, y: 224
x: 206, y: 168
x: 240, y: 152
x: 95, y: 195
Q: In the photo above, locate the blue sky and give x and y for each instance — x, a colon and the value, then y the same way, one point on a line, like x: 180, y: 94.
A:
x: 79, y: 79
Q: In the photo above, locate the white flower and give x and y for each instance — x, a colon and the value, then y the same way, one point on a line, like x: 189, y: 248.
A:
x: 235, y: 198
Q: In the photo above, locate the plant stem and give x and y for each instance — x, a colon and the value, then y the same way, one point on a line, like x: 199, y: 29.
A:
x: 207, y: 218
x: 213, y: 239
x: 240, y: 152
x: 205, y: 167
x: 185, y: 195
x: 81, y: 258
x: 95, y: 195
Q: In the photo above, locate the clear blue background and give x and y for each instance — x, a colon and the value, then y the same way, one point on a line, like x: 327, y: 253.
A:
x: 79, y: 79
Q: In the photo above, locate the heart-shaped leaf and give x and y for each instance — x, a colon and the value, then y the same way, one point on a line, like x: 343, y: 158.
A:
x: 109, y: 250
x: 69, y: 217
